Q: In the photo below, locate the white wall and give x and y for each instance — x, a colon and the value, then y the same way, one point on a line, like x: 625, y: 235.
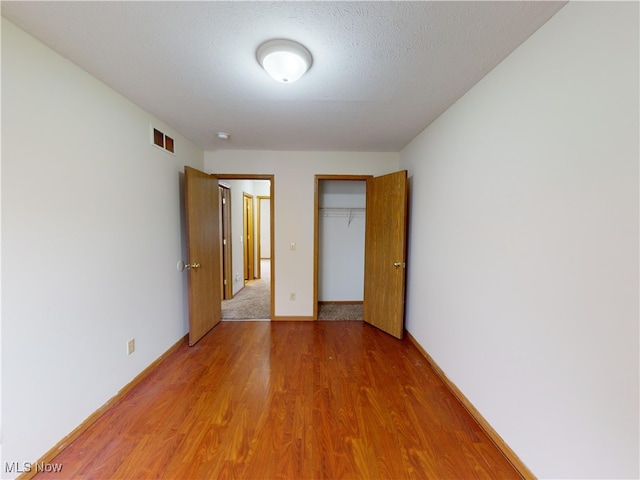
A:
x: 293, y: 204
x: 341, y: 226
x: 265, y: 227
x: 91, y: 234
x: 523, y: 259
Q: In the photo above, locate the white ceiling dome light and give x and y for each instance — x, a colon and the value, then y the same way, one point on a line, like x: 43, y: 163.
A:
x: 285, y: 60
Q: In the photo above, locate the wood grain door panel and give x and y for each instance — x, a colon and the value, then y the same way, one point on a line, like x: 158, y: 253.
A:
x: 385, y: 252
x: 203, y: 252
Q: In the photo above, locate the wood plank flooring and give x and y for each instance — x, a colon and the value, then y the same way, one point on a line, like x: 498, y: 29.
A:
x: 289, y: 400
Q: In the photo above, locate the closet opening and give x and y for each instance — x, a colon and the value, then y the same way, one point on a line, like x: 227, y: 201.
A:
x: 340, y: 207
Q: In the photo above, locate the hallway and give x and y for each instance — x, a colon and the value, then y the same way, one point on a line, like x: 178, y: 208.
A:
x: 253, y: 302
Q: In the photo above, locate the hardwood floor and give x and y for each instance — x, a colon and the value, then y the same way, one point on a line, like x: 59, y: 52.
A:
x: 263, y: 400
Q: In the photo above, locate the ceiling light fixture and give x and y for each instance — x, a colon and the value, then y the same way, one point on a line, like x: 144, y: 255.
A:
x: 223, y: 135
x: 285, y: 60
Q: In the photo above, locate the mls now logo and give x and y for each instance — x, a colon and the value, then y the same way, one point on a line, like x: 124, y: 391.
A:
x: 27, y: 467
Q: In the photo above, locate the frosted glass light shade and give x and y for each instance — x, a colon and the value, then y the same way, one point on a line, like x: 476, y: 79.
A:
x: 284, y: 60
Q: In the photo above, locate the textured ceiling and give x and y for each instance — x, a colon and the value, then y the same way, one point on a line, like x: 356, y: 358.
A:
x: 382, y: 71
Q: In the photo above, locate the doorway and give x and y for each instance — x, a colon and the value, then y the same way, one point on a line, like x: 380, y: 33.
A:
x: 385, y: 233
x: 249, y: 238
x: 263, y: 232
x: 339, y: 246
x: 225, y: 240
x: 252, y: 272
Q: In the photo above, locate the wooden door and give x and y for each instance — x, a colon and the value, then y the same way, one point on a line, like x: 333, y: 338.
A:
x: 385, y: 252
x: 203, y: 251
x: 248, y: 237
x: 225, y: 242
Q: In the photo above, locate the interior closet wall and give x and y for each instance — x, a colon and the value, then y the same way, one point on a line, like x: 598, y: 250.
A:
x: 341, y: 240
x: 265, y: 227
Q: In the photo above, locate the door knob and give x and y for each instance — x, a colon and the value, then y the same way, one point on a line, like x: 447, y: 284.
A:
x: 189, y: 266
x: 400, y: 264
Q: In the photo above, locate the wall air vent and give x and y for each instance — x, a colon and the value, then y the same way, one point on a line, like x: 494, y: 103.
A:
x: 161, y: 140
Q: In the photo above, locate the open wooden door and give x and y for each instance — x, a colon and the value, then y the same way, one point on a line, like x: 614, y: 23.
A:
x: 249, y: 257
x: 203, y: 250
x: 385, y: 252
x: 225, y: 240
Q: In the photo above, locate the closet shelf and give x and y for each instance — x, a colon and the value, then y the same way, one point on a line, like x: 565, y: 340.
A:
x: 346, y: 212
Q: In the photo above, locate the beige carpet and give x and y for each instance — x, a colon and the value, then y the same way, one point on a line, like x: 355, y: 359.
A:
x: 338, y: 311
x: 253, y: 302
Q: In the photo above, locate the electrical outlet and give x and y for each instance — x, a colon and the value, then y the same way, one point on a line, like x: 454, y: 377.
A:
x: 292, y: 296
x: 131, y: 346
